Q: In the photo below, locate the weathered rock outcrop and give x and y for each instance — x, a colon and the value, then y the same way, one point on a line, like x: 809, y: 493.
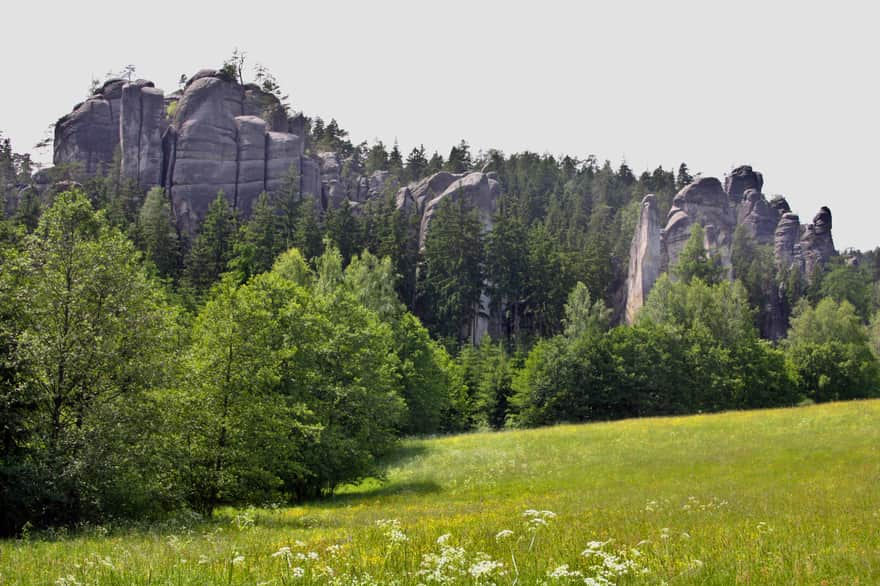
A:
x: 758, y: 216
x: 423, y: 199
x: 740, y: 180
x: 89, y: 135
x: 644, y: 257
x: 222, y: 137
x: 817, y: 245
x: 142, y: 114
x: 477, y: 188
x: 786, y: 247
x: 702, y: 202
x: 720, y: 211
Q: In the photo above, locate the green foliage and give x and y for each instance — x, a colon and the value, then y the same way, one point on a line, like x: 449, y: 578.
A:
x: 695, y: 262
x: 90, y: 337
x: 694, y: 348
x: 453, y: 262
x: 258, y: 241
x: 344, y: 231
x: 307, y: 235
x: 722, y: 310
x: 829, y: 349
x: 754, y: 266
x: 730, y: 491
x: 416, y: 164
x: 213, y: 246
x: 157, y: 235
x: 246, y: 431
x: 506, y: 264
x: 459, y: 159
x: 851, y: 283
x: 583, y: 317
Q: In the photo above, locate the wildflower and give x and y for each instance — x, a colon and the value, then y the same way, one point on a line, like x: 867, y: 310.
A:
x: 503, y: 534
x: 563, y: 572
x: 392, y: 530
x: 484, y: 567
x: 237, y: 559
x: 443, y: 538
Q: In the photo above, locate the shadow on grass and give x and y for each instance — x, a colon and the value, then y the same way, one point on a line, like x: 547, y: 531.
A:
x: 382, y: 490
x: 403, y: 454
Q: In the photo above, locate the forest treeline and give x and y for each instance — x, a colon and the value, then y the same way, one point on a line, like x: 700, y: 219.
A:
x: 275, y: 358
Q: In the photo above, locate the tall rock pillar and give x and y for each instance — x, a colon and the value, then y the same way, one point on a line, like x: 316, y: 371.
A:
x: 644, y: 258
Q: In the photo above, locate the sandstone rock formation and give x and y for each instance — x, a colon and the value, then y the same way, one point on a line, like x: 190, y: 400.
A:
x: 702, y: 202
x: 423, y: 199
x: 222, y: 137
x: 645, y: 259
x: 89, y: 135
x: 215, y: 135
x: 741, y: 180
x: 720, y: 212
x: 142, y: 114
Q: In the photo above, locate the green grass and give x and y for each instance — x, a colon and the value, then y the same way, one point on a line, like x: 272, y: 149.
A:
x: 763, y: 497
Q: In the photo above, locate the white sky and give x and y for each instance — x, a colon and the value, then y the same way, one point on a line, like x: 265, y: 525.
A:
x: 788, y: 87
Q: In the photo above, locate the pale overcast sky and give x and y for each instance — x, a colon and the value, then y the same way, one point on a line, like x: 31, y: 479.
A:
x: 788, y: 87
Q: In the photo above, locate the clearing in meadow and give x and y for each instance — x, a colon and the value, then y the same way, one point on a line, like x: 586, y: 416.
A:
x: 785, y: 496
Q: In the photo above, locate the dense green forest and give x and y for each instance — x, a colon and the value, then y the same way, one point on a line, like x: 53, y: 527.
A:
x: 278, y: 357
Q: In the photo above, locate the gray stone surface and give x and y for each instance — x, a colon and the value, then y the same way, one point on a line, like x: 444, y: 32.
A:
x: 704, y: 202
x: 817, y: 245
x: 758, y: 216
x: 741, y: 180
x: 787, y: 236
x: 720, y: 210
x: 477, y: 188
x: 644, y: 257
x: 141, y: 125
x: 87, y: 136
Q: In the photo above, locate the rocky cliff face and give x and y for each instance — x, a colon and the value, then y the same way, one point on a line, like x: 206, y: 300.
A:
x: 423, y: 199
x: 720, y: 210
x: 645, y: 258
x: 222, y: 136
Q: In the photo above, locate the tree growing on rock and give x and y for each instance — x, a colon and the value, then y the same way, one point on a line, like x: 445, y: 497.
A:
x: 453, y: 269
x: 695, y: 262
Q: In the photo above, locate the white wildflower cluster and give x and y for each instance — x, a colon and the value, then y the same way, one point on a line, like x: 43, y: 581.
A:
x: 392, y: 531
x: 564, y: 572
x: 535, y: 518
x: 503, y: 535
x: 301, y: 562
x: 453, y: 565
x: 607, y: 566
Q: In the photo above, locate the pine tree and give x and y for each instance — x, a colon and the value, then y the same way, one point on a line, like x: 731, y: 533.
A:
x: 695, y: 262
x: 506, y: 265
x: 416, y: 164
x: 157, y: 234
x: 259, y: 242
x: 308, y: 233
x: 395, y: 161
x: 459, y: 159
x: 343, y: 230
x: 212, y: 248
x: 453, y: 275
x: 684, y: 177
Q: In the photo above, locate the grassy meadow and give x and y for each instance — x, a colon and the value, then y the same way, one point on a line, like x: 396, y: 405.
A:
x: 762, y: 497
